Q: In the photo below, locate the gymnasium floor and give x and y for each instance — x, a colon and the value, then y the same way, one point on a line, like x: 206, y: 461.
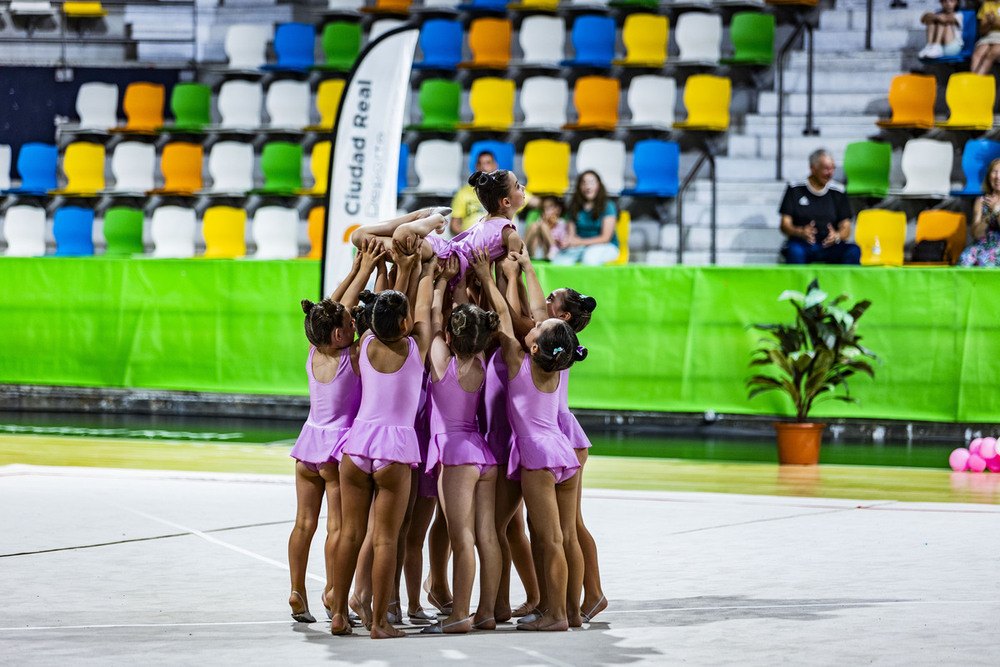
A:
x: 173, y: 552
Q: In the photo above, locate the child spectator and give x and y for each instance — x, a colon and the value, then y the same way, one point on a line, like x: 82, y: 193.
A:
x: 944, y: 31
x: 988, y: 47
x: 547, y: 236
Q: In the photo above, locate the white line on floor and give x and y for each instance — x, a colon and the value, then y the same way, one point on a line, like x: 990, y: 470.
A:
x: 797, y: 605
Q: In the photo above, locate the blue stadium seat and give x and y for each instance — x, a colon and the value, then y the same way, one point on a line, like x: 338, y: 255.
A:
x: 404, y: 159
x: 441, y: 44
x: 976, y: 156
x: 656, y: 164
x: 593, y: 39
x: 38, y: 165
x: 502, y: 151
x: 294, y: 46
x: 969, y: 33
x: 73, y: 228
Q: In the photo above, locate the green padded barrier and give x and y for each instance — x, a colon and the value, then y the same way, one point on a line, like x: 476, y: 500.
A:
x: 662, y: 339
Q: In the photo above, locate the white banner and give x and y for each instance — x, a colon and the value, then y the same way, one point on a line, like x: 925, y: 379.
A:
x: 365, y: 154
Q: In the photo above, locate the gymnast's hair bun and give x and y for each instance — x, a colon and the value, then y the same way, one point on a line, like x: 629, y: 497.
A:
x: 588, y: 303
x: 307, y: 305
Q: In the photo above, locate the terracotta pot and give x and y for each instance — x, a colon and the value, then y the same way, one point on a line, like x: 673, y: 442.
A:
x: 798, y: 444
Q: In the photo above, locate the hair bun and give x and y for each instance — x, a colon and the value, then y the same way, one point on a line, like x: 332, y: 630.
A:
x: 477, y: 178
x: 458, y: 321
x: 580, y: 353
x: 588, y: 303
x: 366, y: 296
x: 307, y: 305
x: 493, y: 321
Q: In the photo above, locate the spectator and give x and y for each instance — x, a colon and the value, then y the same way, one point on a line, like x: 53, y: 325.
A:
x: 985, y: 250
x: 547, y: 235
x: 944, y: 31
x: 465, y: 206
x: 591, y: 237
x: 988, y: 47
x: 816, y: 218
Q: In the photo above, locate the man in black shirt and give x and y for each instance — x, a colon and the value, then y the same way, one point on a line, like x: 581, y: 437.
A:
x: 816, y: 218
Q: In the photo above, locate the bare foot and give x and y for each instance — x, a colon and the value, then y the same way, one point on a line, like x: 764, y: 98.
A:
x: 589, y: 609
x: 435, y: 222
x: 524, y: 609
x: 385, y: 631
x: 546, y: 624
x: 339, y: 625
x: 364, y: 611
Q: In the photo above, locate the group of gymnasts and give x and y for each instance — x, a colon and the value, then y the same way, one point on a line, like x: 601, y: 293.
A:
x: 442, y: 395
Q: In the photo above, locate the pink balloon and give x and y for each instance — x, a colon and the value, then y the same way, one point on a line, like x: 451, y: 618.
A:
x: 959, y: 459
x: 977, y: 463
x: 988, y: 448
x: 975, y: 445
x: 993, y: 465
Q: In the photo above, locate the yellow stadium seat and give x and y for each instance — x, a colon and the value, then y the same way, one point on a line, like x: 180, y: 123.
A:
x: 880, y: 234
x: 546, y: 166
x: 320, y: 164
x: 706, y: 98
x: 84, y: 10
x: 316, y: 224
x: 492, y: 103
x: 328, y: 95
x: 83, y: 165
x: 622, y: 228
x: 970, y: 99
x: 645, y: 38
x: 224, y: 229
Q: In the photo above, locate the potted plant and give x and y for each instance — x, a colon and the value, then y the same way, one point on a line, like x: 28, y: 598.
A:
x: 810, y: 360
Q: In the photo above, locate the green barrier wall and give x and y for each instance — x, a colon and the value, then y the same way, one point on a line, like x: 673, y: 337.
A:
x: 663, y: 338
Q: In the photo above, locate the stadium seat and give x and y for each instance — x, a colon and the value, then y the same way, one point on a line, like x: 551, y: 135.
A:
x: 543, y: 101
x: 499, y: 6
x: 275, y: 231
x: 634, y: 4
x: 294, y: 47
x: 880, y: 234
x: 593, y: 40
x: 656, y: 164
x: 752, y: 35
x: 596, y: 101
x: 328, y: 95
x: 381, y: 26
x: 287, y: 104
x: 245, y: 46
x: 143, y: 106
x: 24, y: 231
x: 866, y: 168
x: 6, y: 154
x: 73, y: 229
x: 315, y: 223
x: 492, y: 102
x: 133, y: 166
x: 83, y: 166
x: 926, y: 166
x: 546, y: 166
x: 181, y: 164
x: 534, y: 6
x: 37, y: 165
x: 976, y: 157
x: 706, y: 98
x: 438, y: 165
x: 439, y: 102
x: 970, y: 28
x: 645, y: 37
x: 84, y: 10
x: 607, y: 158
x: 651, y: 99
x: 191, y: 106
x: 699, y: 38
x: 403, y: 169
x: 440, y: 44
x: 281, y: 164
x: 172, y: 229
x: 503, y: 153
x: 387, y: 7
x: 622, y: 228
x: 941, y: 225
x: 239, y: 102
x: 224, y: 230
x: 97, y: 106
x: 970, y: 99
x: 319, y: 164
x: 489, y: 41
x: 341, y: 43
x: 911, y: 97
x: 122, y: 230
x: 542, y: 39
x: 230, y: 166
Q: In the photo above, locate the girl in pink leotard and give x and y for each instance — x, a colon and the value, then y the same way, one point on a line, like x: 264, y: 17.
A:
x: 334, y: 396
x: 542, y: 455
x: 468, y: 468
x: 382, y: 447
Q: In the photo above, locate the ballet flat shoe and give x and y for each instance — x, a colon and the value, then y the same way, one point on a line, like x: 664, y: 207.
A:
x: 302, y: 616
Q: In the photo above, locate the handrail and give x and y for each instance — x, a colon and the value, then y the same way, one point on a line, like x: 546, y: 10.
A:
x: 706, y: 154
x: 868, y: 25
x: 808, y: 130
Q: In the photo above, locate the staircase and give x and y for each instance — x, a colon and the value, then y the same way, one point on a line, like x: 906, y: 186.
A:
x: 850, y: 92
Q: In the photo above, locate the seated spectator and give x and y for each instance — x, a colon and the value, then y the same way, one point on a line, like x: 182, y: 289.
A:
x: 547, y: 235
x: 590, y: 232
x: 816, y: 218
x: 985, y: 250
x: 465, y: 206
x: 944, y: 31
x: 988, y: 46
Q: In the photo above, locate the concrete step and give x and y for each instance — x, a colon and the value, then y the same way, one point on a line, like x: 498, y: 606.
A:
x: 767, y: 125
x: 845, y: 80
x: 865, y: 61
x: 847, y: 41
x: 843, y: 18
x: 747, y: 192
x: 732, y: 214
x: 845, y: 102
x: 750, y: 169
x: 751, y: 146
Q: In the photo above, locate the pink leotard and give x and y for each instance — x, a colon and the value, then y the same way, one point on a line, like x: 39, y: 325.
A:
x: 455, y: 437
x: 383, y: 431
x: 333, y: 406
x: 568, y: 423
x: 494, y: 420
x: 538, y: 442
x: 484, y: 234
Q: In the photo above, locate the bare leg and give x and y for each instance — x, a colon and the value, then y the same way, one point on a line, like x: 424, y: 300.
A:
x: 489, y: 550
x: 455, y: 485
x: 540, y: 497
x: 309, y: 487
x: 413, y: 563
x: 330, y: 472
x: 594, y: 601
x: 355, y: 495
x: 393, y: 482
x: 439, y: 551
x: 568, y: 497
x: 395, y: 614
x: 512, y: 240
x: 513, y: 546
x: 361, y: 599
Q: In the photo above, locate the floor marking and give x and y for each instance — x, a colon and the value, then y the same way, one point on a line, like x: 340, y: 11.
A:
x: 213, y: 540
x: 142, y: 625
x: 452, y: 654
x: 542, y: 656
x: 860, y: 603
